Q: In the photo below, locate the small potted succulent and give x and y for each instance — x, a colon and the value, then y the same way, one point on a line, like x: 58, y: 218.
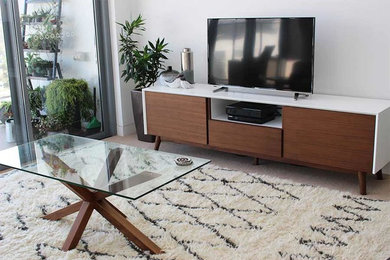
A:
x: 143, y: 65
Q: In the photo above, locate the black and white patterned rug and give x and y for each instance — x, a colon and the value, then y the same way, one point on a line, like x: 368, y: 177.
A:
x: 212, y: 213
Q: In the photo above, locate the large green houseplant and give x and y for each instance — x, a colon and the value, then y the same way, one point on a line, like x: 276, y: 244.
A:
x: 69, y: 101
x: 143, y: 65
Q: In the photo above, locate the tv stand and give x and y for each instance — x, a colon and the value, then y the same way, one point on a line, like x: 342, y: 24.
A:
x: 337, y: 133
x: 296, y: 95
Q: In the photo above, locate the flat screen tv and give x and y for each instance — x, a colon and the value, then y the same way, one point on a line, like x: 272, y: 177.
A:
x: 273, y: 53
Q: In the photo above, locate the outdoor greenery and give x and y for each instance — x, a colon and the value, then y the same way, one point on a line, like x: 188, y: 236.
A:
x: 57, y: 144
x: 6, y: 109
x: 38, y: 67
x: 35, y: 97
x: 39, y: 15
x: 142, y: 65
x: 69, y: 99
x: 46, y: 37
x: 46, y: 32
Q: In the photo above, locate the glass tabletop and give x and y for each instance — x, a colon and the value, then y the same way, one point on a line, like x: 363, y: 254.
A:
x: 117, y: 169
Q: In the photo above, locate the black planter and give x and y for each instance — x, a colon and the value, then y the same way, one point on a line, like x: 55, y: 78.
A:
x: 136, y: 99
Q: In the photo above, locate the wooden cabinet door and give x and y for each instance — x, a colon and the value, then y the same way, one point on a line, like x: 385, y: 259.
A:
x: 177, y: 117
x: 334, y: 139
x: 245, y: 139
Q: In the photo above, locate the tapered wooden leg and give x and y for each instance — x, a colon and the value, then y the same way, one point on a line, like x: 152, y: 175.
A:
x: 115, y: 208
x: 128, y: 229
x: 256, y: 161
x: 96, y: 201
x: 157, y: 143
x: 379, y: 175
x: 56, y: 215
x: 79, y: 225
x: 362, y: 182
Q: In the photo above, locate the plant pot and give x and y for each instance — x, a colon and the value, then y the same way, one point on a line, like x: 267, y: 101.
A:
x: 136, y: 99
x: 76, y: 123
x: 9, y: 130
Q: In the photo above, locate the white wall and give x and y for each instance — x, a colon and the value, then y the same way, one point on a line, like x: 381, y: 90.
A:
x: 119, y: 12
x: 352, y: 55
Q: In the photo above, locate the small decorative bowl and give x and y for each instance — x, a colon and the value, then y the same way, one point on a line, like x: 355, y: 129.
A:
x: 183, y: 161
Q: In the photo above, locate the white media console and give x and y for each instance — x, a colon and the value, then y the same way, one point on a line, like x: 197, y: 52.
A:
x: 325, y: 131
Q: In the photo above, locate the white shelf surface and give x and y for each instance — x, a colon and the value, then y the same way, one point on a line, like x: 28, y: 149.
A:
x: 365, y: 106
x: 276, y: 123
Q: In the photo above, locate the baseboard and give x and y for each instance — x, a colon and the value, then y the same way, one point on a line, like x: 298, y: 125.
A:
x: 126, y: 129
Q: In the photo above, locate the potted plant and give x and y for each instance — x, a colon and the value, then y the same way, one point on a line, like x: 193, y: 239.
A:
x: 47, y: 125
x: 6, y: 111
x: 46, y: 37
x: 36, y: 102
x: 69, y: 101
x: 143, y: 65
x: 38, y: 67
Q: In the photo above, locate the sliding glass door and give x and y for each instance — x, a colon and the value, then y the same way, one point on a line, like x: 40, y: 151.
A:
x: 7, y: 124
x: 61, y: 70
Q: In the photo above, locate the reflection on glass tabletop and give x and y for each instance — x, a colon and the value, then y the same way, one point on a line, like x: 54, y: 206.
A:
x: 117, y: 169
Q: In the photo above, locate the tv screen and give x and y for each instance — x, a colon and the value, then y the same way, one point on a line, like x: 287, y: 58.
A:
x: 274, y: 53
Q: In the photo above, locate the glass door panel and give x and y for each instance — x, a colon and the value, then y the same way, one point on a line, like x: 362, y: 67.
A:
x: 7, y: 125
x: 62, y: 66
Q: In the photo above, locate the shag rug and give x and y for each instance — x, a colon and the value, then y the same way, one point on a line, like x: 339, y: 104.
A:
x: 212, y: 213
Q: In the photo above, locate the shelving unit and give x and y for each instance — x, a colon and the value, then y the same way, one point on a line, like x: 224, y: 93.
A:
x: 54, y: 58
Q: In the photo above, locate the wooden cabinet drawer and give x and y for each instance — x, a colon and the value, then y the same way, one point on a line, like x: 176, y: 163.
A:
x: 335, y: 139
x: 177, y: 117
x: 245, y: 139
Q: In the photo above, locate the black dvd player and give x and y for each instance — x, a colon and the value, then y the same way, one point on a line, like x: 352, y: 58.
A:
x: 251, y: 110
x: 251, y: 119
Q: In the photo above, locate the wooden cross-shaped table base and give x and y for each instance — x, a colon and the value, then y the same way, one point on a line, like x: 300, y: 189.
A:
x: 93, y: 200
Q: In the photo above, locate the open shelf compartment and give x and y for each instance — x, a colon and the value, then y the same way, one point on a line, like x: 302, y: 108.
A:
x: 218, y: 112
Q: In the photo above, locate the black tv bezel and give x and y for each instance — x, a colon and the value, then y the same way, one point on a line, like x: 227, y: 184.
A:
x: 287, y: 18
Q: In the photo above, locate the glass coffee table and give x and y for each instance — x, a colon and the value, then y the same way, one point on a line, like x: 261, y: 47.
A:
x: 95, y: 170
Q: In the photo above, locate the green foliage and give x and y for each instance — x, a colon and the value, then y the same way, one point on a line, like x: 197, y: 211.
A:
x: 41, y: 14
x: 6, y: 109
x: 142, y: 65
x: 36, y: 66
x: 46, y: 37
x: 57, y: 143
x: 67, y: 97
x: 35, y: 97
x: 45, y: 124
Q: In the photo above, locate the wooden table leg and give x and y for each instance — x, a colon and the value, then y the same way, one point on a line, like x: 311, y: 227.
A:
x: 362, y: 183
x: 128, y: 229
x: 56, y: 215
x: 96, y: 200
x: 78, y: 226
